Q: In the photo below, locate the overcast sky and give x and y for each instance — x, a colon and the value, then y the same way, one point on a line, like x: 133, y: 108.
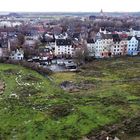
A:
x: 69, y: 5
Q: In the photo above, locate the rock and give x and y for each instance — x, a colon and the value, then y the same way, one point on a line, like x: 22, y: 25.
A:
x: 116, y: 138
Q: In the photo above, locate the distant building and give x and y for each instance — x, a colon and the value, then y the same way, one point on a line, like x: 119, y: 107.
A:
x: 134, y: 33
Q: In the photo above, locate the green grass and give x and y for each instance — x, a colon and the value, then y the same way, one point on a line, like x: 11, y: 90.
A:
x: 53, y: 114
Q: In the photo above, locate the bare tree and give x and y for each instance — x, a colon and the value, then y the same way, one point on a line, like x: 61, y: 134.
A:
x: 81, y: 54
x: 21, y: 39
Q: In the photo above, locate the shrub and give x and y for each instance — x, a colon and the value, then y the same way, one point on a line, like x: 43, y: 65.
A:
x: 61, y: 110
x: 32, y: 66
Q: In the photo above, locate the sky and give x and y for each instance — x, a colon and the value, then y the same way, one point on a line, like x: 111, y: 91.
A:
x: 69, y: 5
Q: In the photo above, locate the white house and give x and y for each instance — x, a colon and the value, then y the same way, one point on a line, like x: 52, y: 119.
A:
x: 64, y: 48
x: 17, y: 55
x: 134, y: 33
x: 10, y: 23
x: 132, y: 45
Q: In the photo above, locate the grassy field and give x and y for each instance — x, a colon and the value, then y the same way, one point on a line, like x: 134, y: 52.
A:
x: 109, y: 93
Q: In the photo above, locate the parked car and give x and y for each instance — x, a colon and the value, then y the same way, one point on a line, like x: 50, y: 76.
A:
x: 60, y: 62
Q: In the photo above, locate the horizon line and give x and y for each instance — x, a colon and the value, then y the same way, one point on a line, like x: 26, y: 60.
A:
x: 69, y: 11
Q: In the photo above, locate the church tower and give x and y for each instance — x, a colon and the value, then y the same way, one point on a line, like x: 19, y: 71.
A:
x: 101, y: 13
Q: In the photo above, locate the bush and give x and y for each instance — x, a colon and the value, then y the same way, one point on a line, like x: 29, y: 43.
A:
x: 31, y: 78
x: 26, y: 91
x: 32, y: 66
x: 61, y: 110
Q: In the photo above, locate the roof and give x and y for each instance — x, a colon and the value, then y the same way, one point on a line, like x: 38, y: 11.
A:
x: 130, y: 37
x: 90, y: 41
x: 64, y: 42
x: 76, y: 35
x: 106, y: 36
x: 116, y: 38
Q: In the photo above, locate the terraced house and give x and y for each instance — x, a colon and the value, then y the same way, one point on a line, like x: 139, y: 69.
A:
x: 101, y: 48
x: 119, y: 46
x: 108, y: 45
x: 132, y: 45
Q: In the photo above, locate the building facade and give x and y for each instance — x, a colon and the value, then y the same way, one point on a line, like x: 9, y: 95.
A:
x: 64, y: 48
x: 132, y: 45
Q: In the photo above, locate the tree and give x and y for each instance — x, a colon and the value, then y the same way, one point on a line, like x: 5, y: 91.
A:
x: 21, y: 39
x: 81, y: 54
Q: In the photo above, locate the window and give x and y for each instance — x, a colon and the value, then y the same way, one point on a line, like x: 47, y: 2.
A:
x: 117, y: 49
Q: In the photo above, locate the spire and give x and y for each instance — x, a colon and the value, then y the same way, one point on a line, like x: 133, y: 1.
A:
x: 101, y: 13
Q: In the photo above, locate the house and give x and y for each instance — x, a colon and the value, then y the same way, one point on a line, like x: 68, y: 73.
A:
x: 91, y: 47
x: 29, y: 42
x: 103, y: 45
x: 17, y: 55
x: 64, y: 48
x: 100, y: 46
x: 119, y: 46
x: 107, y: 45
x: 132, y: 45
x: 134, y: 32
x: 46, y: 53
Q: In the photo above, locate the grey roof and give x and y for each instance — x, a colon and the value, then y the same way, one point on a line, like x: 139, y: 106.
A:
x: 90, y: 41
x: 106, y: 36
x: 61, y: 42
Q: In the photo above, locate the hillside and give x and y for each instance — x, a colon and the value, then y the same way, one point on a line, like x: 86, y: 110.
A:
x: 104, y: 92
